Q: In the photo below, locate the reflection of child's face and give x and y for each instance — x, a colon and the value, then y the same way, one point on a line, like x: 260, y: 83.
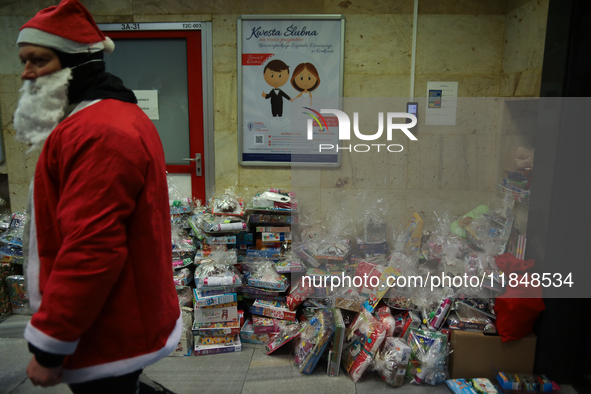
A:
x: 276, y: 78
x: 305, y: 79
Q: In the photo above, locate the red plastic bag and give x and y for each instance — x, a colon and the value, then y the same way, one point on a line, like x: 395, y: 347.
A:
x: 519, y: 307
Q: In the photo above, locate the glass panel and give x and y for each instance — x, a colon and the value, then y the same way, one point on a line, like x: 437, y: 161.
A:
x: 158, y: 64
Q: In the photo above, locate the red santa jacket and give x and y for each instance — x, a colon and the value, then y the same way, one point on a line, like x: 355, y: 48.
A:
x: 99, y: 267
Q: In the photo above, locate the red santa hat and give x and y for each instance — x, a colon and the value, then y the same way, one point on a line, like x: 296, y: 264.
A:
x: 67, y: 27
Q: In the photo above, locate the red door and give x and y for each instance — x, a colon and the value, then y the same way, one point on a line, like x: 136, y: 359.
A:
x: 171, y: 63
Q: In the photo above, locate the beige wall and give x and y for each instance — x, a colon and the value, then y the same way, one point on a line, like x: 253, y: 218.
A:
x: 492, y: 48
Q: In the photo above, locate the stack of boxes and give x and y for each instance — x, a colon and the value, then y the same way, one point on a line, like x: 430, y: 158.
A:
x: 217, y: 322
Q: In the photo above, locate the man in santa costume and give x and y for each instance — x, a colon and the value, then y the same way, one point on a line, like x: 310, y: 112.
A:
x: 98, y: 254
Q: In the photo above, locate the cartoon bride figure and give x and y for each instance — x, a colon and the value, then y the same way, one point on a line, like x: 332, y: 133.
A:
x: 305, y: 79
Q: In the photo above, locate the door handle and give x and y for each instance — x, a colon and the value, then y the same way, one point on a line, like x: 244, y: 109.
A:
x: 197, y: 161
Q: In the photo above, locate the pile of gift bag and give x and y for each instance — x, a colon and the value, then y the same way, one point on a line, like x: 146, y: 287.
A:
x: 383, y: 301
x: 13, y: 296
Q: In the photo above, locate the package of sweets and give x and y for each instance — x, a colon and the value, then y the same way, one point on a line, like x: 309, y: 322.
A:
x: 264, y: 275
x: 428, y: 360
x: 392, y: 360
x: 348, y: 298
x: 210, y: 275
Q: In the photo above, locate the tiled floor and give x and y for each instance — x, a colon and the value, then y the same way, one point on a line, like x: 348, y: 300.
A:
x: 250, y: 371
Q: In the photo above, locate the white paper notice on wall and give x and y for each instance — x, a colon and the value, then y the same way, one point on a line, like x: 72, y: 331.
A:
x: 148, y: 102
x: 442, y: 103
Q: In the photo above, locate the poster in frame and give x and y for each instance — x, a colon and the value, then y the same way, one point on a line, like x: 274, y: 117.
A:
x: 290, y: 69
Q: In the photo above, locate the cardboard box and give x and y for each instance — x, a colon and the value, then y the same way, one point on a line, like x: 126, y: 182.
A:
x: 477, y: 355
x: 201, y: 301
x: 248, y: 336
x: 279, y: 286
x: 219, y: 328
x: 217, y: 313
x: 278, y: 310
x: 202, y: 350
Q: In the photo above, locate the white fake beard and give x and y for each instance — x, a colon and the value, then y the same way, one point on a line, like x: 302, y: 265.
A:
x: 41, y: 107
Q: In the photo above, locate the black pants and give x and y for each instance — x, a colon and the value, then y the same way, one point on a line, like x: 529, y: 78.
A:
x: 124, y: 384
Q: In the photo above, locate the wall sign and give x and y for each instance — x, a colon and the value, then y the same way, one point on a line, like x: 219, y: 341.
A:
x: 289, y: 68
x: 442, y: 103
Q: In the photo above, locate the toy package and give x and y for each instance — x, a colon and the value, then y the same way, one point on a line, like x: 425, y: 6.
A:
x: 336, y: 344
x: 483, y: 386
x: 387, y: 278
x: 392, y: 360
x: 265, y: 325
x: 217, y: 313
x: 276, y: 309
x: 216, y: 328
x: 248, y: 335
x: 298, y: 294
x: 18, y: 295
x: 6, y: 270
x: 215, y: 339
x: 371, y: 269
x: 288, y: 332
x: 519, y: 383
x: 363, y: 339
x: 209, y: 223
x: 460, y: 386
x: 428, y: 359
x: 289, y: 265
x: 437, y: 317
x: 413, y: 234
x: 263, y: 274
x: 272, y: 219
x: 314, y: 338
x: 313, y: 305
x: 185, y: 345
x: 211, y: 275
x: 234, y: 346
x: 182, y: 277
x: 466, y: 318
x: 202, y: 300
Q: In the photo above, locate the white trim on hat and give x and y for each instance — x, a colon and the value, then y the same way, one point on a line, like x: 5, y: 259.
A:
x: 41, y: 38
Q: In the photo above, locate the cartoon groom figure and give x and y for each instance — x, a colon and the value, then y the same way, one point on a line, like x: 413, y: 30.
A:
x: 276, y: 74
